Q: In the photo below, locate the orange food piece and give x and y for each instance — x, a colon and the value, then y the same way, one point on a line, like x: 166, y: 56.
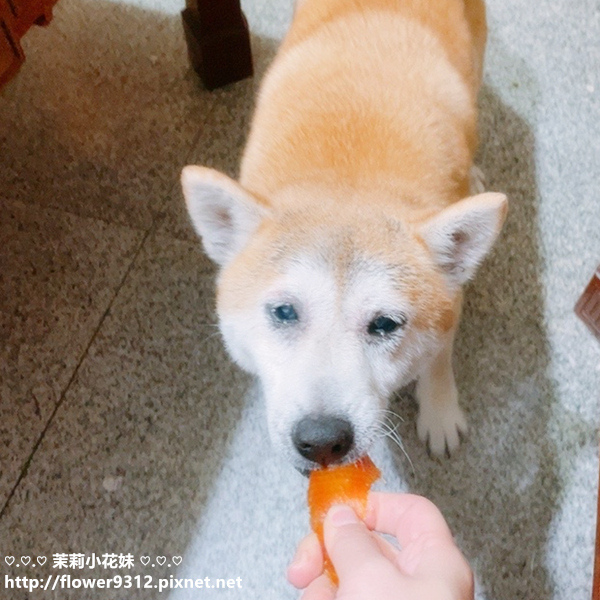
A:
x: 341, y: 484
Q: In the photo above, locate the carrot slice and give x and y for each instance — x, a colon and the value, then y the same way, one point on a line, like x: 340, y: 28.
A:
x: 341, y: 484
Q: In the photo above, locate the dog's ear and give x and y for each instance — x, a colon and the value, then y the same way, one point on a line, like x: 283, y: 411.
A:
x: 223, y: 214
x: 462, y: 234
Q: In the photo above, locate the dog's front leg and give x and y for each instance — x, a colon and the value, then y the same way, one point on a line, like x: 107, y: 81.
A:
x: 441, y: 419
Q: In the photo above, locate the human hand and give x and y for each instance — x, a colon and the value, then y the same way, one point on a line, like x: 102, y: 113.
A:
x: 428, y: 566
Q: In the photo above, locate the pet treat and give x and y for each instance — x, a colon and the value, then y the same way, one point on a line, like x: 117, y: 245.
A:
x: 341, y: 484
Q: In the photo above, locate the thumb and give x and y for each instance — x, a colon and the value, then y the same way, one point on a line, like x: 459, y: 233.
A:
x: 349, y: 543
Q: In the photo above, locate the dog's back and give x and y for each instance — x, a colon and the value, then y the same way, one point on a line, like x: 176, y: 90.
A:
x: 380, y: 94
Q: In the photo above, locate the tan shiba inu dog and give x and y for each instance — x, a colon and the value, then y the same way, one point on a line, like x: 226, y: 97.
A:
x: 346, y: 241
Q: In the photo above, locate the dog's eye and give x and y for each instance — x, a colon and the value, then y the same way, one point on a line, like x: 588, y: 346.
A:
x: 284, y: 313
x: 384, y: 325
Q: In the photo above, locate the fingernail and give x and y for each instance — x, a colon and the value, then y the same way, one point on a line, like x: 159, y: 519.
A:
x: 342, y: 515
x: 299, y: 560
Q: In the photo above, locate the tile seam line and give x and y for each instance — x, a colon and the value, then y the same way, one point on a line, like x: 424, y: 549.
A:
x: 84, y: 354
x: 158, y: 214
x: 155, y: 219
x: 195, y: 141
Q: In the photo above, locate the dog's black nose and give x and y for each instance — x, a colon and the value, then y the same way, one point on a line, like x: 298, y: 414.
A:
x: 323, y: 439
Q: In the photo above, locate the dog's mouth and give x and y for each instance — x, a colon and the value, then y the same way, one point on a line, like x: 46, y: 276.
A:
x: 304, y: 471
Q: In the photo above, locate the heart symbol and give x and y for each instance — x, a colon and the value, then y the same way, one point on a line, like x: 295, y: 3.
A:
x: 41, y: 560
x: 161, y: 560
x: 144, y: 560
x: 9, y: 560
x: 177, y: 560
x: 25, y: 560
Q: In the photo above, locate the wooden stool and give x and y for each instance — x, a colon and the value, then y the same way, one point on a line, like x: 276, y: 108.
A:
x: 218, y: 41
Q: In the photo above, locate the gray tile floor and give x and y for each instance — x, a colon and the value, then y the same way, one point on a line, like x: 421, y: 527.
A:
x: 122, y: 422
x: 108, y: 336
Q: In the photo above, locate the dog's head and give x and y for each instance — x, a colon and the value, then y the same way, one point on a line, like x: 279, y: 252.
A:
x: 334, y: 309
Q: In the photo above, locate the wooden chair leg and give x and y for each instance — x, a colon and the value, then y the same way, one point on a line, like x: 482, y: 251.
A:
x: 218, y: 41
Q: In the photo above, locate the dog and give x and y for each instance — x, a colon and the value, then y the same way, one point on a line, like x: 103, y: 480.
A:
x: 345, y: 243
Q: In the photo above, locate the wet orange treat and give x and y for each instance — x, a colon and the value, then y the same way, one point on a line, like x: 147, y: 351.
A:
x: 344, y: 484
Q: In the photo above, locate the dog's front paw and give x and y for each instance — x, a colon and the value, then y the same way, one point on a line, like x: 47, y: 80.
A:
x: 440, y: 427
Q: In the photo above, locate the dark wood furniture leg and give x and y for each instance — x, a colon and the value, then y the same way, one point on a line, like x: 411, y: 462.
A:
x: 588, y: 310
x: 16, y: 17
x: 218, y: 41
x: 596, y: 580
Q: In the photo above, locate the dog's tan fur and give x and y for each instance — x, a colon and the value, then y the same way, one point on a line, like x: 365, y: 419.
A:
x: 361, y: 146
x: 332, y: 102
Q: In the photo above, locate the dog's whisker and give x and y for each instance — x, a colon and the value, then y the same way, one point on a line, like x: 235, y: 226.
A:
x: 208, y: 338
x: 392, y: 433
x: 388, y: 412
x: 389, y: 430
x: 391, y: 426
x: 391, y: 421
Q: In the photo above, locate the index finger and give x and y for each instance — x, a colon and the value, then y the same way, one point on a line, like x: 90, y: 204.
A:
x: 405, y: 516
